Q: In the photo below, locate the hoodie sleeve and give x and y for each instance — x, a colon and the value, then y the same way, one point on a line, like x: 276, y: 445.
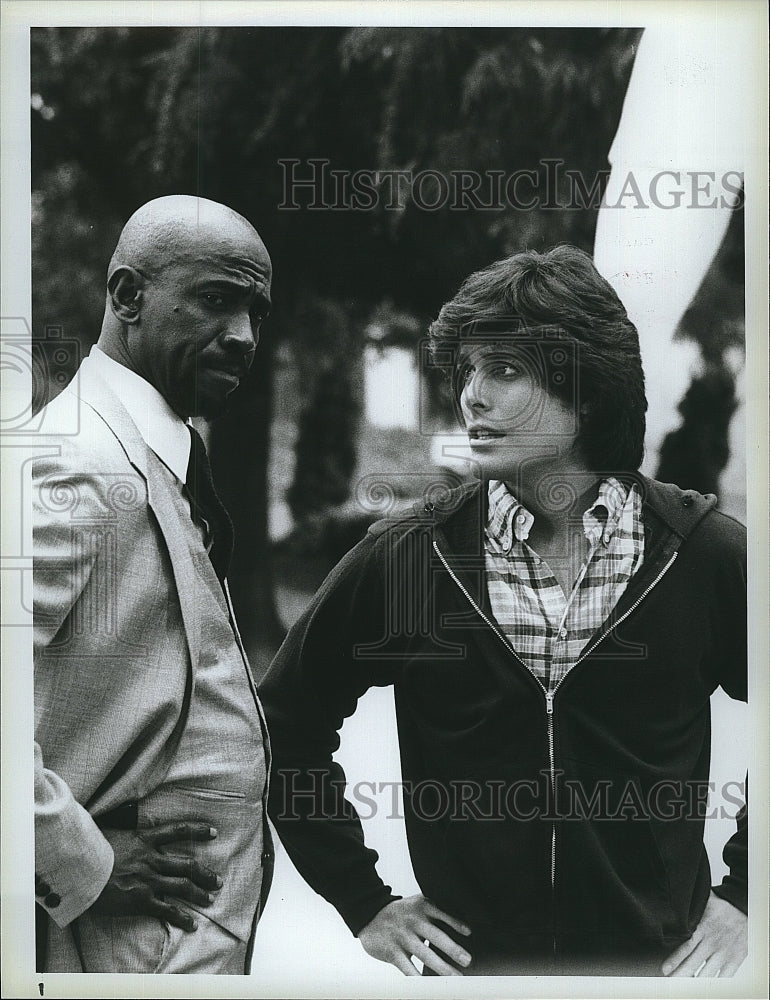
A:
x: 732, y: 659
x: 735, y: 885
x: 313, y: 684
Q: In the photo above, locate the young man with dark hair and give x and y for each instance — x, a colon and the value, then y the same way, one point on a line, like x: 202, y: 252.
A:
x: 553, y: 633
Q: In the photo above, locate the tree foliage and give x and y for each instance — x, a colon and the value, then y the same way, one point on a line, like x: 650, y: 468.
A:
x: 141, y: 112
x: 122, y: 115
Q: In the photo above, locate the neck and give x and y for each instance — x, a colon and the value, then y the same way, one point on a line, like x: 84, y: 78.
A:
x: 560, y: 502
x: 114, y: 345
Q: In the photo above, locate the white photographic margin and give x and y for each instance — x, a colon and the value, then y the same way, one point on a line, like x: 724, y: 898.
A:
x: 16, y: 18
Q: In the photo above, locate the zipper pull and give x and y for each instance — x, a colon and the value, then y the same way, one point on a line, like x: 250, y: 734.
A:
x: 549, y: 702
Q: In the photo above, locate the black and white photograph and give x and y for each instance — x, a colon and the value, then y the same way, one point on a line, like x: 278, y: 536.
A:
x: 384, y: 499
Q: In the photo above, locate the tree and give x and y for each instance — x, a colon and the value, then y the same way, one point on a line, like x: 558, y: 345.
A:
x: 126, y: 114
x: 327, y: 347
x: 697, y: 452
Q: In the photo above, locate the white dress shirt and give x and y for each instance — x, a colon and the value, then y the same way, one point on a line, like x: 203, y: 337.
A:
x: 162, y: 430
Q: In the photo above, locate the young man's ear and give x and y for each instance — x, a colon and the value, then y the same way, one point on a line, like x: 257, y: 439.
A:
x: 124, y: 288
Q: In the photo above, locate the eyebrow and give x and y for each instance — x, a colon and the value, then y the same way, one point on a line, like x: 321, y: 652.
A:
x: 467, y: 349
x: 225, y: 283
x: 233, y: 284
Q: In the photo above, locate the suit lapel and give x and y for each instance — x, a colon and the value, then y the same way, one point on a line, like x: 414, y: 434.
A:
x: 93, y: 391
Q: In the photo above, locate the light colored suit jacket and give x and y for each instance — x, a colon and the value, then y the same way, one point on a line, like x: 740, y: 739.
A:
x: 116, y: 635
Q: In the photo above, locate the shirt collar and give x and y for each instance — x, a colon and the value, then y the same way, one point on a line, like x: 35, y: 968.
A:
x: 161, y: 429
x: 601, y: 519
x: 509, y: 521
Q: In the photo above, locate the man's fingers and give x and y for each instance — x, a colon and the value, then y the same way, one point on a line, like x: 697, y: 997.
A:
x: 436, y: 914
x: 174, y: 915
x: 182, y: 888
x: 712, y: 967
x: 429, y: 957
x: 717, y: 946
x: 406, y: 928
x: 731, y: 966
x: 694, y: 962
x: 188, y: 868
x: 404, y: 965
x: 677, y: 957
x: 167, y: 833
x: 723, y: 963
x: 438, y: 939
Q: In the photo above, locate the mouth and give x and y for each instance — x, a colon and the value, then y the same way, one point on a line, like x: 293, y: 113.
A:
x: 481, y: 434
x: 227, y: 373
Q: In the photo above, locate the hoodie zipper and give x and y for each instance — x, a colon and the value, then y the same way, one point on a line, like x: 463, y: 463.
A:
x: 550, y: 694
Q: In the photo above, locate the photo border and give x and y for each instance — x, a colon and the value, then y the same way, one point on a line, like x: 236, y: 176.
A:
x: 16, y: 706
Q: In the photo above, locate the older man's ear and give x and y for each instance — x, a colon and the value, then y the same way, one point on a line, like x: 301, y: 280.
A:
x: 124, y: 290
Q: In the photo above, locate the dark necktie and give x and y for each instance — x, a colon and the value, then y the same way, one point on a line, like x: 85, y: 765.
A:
x: 206, y: 508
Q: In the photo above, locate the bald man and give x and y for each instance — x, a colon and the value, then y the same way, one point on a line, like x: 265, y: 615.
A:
x: 152, y: 849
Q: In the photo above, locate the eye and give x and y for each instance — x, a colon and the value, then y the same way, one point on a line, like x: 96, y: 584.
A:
x: 213, y: 299
x: 507, y: 369
x: 465, y: 373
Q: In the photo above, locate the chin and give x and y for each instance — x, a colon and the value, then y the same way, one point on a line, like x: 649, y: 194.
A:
x: 497, y: 466
x: 491, y: 470
x: 210, y: 409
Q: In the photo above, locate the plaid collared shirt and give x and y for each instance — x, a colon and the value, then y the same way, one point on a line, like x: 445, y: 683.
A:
x: 548, y: 630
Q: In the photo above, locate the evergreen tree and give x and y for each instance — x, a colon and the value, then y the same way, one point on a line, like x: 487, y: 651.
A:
x: 122, y: 115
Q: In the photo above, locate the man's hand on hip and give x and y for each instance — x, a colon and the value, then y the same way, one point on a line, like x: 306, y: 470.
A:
x: 718, y: 945
x: 143, y: 875
x: 407, y: 928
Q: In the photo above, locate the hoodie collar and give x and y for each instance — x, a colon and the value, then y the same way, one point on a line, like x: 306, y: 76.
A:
x: 462, y: 513
x: 510, y: 521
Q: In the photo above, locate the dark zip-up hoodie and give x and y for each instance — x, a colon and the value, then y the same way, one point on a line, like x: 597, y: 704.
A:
x: 567, y: 831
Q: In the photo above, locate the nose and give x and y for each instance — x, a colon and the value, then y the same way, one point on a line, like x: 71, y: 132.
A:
x: 472, y: 394
x: 241, y: 335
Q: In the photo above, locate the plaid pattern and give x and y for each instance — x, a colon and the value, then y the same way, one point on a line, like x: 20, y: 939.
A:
x: 548, y: 630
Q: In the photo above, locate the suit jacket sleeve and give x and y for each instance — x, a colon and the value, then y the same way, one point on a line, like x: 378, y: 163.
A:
x: 73, y: 860
x: 313, y: 684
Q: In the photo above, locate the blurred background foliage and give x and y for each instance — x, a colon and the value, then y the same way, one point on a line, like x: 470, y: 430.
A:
x: 122, y: 115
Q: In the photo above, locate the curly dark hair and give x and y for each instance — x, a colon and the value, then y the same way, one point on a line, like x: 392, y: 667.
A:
x: 561, y: 297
